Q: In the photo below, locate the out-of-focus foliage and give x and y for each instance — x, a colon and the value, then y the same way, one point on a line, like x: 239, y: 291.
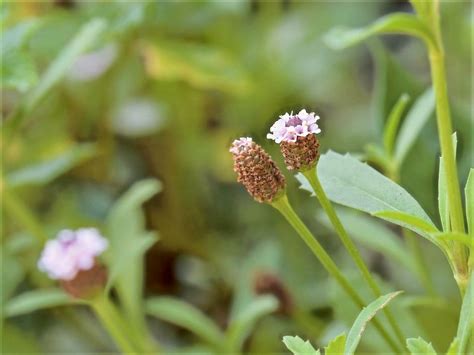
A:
x: 97, y: 96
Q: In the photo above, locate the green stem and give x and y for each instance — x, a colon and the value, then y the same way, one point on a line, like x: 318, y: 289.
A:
x: 112, y: 321
x: 283, y: 206
x: 421, y: 266
x: 443, y: 117
x: 312, y: 176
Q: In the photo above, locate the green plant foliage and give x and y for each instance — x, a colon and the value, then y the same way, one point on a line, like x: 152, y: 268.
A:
x: 245, y: 321
x: 35, y: 300
x: 469, y: 192
x: 374, y: 236
x: 369, y: 312
x: 129, y: 240
x: 46, y: 171
x: 339, y: 38
x: 466, y: 321
x: 393, y: 123
x: 186, y: 316
x: 336, y: 346
x: 419, y: 346
x: 443, y: 192
x: 298, y: 346
x: 453, y: 347
x: 351, y: 183
x: 412, y: 125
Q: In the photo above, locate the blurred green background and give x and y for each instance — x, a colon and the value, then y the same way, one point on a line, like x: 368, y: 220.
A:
x: 160, y: 89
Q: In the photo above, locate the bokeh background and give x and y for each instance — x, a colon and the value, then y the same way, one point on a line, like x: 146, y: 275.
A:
x: 161, y: 92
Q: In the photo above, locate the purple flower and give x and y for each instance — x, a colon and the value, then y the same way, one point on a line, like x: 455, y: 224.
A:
x: 240, y: 144
x: 72, y: 251
x: 289, y: 127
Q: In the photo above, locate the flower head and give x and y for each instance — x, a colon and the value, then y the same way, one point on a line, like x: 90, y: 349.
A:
x: 256, y: 170
x: 71, y: 252
x: 289, y: 127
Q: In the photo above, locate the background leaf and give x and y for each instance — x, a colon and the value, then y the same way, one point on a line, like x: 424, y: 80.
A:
x: 125, y: 226
x: 244, y: 322
x: 364, y: 317
x: 412, y: 125
x: 419, y: 346
x: 339, y: 38
x: 393, y: 122
x: 46, y: 171
x: 442, y: 190
x: 298, y: 346
x: 373, y: 235
x: 186, y: 316
x: 34, y: 300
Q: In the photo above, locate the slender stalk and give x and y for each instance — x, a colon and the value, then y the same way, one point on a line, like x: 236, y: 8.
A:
x: 443, y: 117
x: 313, y: 179
x: 283, y: 206
x: 113, y: 323
x: 421, y: 266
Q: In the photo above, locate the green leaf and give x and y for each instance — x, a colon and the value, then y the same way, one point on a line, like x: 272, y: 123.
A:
x: 469, y: 191
x: 298, y: 346
x: 35, y: 300
x: 412, y: 125
x: 336, y: 346
x: 418, y: 346
x: 125, y: 227
x: 456, y: 237
x: 466, y: 320
x: 373, y: 235
x: 355, y: 334
x: 242, y: 325
x: 453, y: 347
x: 16, y: 37
x: 12, y: 273
x: 393, y: 122
x: 186, y: 316
x: 351, y: 183
x: 414, y: 223
x: 87, y: 36
x: 83, y: 41
x: 396, y: 23
x: 18, y: 71
x: 44, y: 172
x: 424, y: 8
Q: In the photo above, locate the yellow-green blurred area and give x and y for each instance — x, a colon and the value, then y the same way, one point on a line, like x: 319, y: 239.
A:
x: 99, y: 95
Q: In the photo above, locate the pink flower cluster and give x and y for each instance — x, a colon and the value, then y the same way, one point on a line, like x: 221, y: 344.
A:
x: 239, y: 144
x: 72, y: 251
x: 289, y: 127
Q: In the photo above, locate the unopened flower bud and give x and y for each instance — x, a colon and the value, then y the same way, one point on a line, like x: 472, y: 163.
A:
x: 296, y: 135
x: 256, y: 171
x: 72, y: 259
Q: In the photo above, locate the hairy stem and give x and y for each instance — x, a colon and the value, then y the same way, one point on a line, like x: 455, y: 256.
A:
x: 312, y: 176
x: 283, y: 206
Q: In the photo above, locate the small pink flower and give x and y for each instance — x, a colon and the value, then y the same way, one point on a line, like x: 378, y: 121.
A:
x: 239, y: 144
x: 289, y: 127
x: 72, y: 251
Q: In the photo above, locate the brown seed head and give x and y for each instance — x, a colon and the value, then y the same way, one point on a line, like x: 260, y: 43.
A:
x: 301, y: 155
x: 256, y: 171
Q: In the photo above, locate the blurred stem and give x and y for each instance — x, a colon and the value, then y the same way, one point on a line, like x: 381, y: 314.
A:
x: 443, y: 117
x: 20, y: 212
x: 413, y: 244
x: 283, y: 206
x: 113, y: 323
x: 312, y: 176
x: 423, y: 271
